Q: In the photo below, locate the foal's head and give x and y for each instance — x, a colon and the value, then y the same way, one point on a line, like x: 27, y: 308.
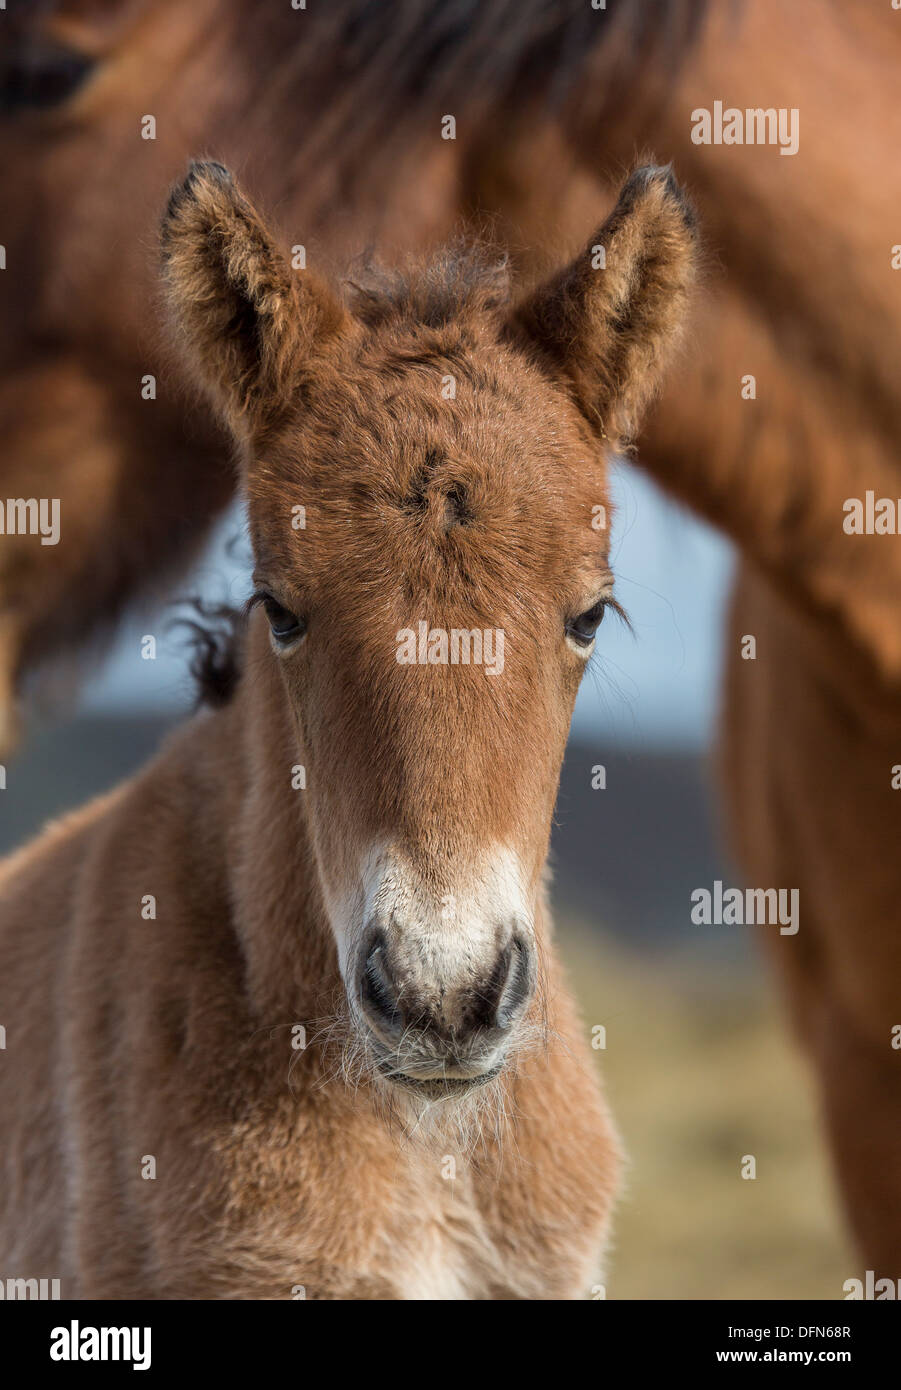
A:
x: 425, y: 471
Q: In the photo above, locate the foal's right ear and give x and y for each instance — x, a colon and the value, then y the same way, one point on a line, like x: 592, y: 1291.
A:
x: 247, y: 320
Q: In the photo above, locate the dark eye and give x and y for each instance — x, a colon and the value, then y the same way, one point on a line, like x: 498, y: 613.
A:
x: 583, y: 628
x: 39, y: 75
x: 284, y: 625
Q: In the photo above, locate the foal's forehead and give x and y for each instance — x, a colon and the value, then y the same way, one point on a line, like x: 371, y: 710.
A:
x: 468, y: 472
x: 405, y: 426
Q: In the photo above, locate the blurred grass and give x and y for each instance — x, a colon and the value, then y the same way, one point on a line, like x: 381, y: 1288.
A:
x: 700, y: 1070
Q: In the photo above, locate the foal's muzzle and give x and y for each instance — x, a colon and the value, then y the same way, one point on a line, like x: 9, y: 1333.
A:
x: 443, y: 1037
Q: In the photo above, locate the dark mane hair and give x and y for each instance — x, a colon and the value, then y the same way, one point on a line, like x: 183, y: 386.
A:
x: 215, y: 639
x: 463, y: 56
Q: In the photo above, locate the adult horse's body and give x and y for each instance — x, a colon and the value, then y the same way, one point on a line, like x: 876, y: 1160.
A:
x: 351, y: 852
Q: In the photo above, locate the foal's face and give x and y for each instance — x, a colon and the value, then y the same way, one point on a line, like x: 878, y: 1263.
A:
x: 429, y: 519
x: 431, y: 621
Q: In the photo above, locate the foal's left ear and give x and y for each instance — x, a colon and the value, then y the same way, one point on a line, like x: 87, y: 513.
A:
x: 610, y: 320
x: 247, y: 320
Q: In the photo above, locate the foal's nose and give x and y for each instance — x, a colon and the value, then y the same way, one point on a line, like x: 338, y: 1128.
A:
x: 397, y: 1001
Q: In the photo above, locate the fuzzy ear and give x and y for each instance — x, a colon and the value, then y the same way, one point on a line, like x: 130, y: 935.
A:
x: 245, y: 318
x: 609, y: 320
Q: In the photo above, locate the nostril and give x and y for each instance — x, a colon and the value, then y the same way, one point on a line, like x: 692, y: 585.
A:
x: 377, y: 989
x: 502, y: 997
x: 518, y: 985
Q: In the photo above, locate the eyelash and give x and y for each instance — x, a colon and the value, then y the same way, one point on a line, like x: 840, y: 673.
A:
x: 269, y: 602
x: 600, y: 606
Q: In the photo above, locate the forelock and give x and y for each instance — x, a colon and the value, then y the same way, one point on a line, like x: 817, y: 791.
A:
x: 462, y: 280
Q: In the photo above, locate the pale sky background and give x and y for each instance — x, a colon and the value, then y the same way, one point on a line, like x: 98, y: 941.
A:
x: 654, y: 690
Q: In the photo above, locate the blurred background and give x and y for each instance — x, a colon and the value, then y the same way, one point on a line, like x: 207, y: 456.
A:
x: 698, y: 1065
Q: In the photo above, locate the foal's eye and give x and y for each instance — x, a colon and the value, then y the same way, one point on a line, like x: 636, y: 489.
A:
x: 583, y: 628
x: 284, y: 625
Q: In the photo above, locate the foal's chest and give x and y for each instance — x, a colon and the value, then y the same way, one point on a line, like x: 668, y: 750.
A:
x: 435, y: 1243
x: 435, y: 1266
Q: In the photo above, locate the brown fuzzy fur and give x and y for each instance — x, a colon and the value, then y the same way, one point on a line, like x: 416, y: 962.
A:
x: 172, y: 1037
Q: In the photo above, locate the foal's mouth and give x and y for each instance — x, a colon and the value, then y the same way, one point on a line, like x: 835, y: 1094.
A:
x: 437, y: 1087
x: 432, y: 1078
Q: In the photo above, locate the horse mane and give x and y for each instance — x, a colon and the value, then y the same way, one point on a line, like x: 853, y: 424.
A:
x: 377, y: 79
x: 472, y: 53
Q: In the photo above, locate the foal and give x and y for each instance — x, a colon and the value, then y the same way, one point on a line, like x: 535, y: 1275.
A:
x: 283, y: 1013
